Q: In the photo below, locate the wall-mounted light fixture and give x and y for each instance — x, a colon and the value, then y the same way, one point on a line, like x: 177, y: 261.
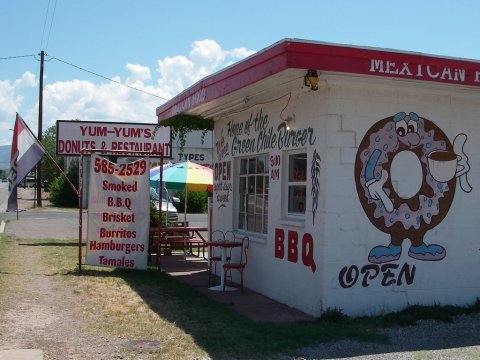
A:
x: 311, y: 79
x: 287, y: 122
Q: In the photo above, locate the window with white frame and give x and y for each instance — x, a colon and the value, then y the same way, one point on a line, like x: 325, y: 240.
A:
x: 297, y: 183
x: 253, y: 194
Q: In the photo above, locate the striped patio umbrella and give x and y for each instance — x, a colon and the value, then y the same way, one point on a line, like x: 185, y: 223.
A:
x: 155, y: 175
x: 187, y: 176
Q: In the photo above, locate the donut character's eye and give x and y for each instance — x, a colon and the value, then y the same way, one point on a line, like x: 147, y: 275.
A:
x: 401, y: 128
x: 412, y: 126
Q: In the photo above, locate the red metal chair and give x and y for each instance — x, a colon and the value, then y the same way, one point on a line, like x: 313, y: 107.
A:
x: 238, y: 265
x: 213, y: 257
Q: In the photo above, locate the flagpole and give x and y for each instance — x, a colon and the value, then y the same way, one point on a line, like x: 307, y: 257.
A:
x: 9, y: 183
x: 60, y: 171
x: 39, y: 137
x: 80, y: 214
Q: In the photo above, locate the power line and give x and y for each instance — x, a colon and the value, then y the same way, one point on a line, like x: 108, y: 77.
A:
x: 16, y: 57
x: 88, y: 71
x: 51, y: 23
x: 44, y: 24
x: 106, y: 78
x: 30, y: 100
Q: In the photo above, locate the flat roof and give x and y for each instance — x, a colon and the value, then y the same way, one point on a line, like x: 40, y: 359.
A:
x: 326, y: 57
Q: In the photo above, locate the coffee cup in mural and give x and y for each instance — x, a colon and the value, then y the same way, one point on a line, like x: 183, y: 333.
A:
x: 442, y: 165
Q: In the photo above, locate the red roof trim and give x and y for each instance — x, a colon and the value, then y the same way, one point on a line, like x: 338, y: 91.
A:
x: 323, y: 57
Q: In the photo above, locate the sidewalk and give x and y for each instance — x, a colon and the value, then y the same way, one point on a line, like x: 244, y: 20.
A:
x: 21, y: 354
x: 193, y: 271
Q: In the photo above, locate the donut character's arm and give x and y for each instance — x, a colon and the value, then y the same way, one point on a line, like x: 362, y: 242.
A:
x: 371, y: 163
x: 375, y: 187
x: 463, y: 167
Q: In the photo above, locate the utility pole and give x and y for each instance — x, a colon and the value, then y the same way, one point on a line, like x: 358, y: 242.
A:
x: 39, y: 136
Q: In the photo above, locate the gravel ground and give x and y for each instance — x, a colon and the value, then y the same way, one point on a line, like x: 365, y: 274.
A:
x: 426, y: 340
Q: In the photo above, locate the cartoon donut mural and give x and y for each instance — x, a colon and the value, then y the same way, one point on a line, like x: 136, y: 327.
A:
x: 421, y: 151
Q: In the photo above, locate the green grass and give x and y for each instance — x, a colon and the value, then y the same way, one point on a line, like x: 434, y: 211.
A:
x: 220, y: 331
x: 153, y: 305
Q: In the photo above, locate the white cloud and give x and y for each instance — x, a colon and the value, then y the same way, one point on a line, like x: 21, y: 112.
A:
x: 105, y: 102
x: 9, y: 99
x: 237, y: 54
x: 12, y: 95
x: 28, y: 79
x: 205, y: 58
x: 138, y: 73
x: 108, y: 101
x: 175, y: 72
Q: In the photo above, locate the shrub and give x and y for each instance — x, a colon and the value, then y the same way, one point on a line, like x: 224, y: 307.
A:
x: 197, y: 202
x: 61, y: 194
x: 334, y: 315
x: 154, y: 216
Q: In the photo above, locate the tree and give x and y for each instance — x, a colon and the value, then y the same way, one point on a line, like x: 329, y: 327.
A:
x: 60, y: 192
x: 49, y: 171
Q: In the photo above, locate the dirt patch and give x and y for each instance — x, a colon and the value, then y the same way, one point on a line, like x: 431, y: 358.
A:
x: 45, y: 315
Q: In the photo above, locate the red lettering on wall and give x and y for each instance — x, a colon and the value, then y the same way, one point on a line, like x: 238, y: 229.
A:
x: 307, y: 252
x: 292, y: 248
x: 279, y: 248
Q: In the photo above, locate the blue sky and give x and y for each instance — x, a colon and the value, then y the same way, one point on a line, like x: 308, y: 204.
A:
x: 163, y: 47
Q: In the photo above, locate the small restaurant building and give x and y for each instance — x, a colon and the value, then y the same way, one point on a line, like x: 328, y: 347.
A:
x: 351, y: 170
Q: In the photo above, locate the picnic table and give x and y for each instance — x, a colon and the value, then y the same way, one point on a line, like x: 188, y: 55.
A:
x: 186, y: 238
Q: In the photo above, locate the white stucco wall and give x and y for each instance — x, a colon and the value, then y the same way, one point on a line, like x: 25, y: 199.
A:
x: 340, y: 114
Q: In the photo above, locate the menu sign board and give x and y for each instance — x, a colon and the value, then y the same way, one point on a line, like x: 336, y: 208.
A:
x: 119, y: 214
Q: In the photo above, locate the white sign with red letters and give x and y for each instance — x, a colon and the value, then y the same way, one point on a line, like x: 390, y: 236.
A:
x: 118, y: 214
x: 73, y: 137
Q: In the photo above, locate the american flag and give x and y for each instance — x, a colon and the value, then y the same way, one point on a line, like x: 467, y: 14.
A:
x: 26, y: 153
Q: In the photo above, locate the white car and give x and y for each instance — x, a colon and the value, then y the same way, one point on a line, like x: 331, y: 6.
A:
x: 167, y: 203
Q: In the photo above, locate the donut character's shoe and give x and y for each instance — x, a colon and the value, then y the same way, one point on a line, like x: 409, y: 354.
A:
x: 425, y: 252
x: 383, y: 254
